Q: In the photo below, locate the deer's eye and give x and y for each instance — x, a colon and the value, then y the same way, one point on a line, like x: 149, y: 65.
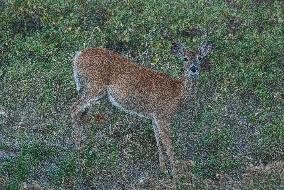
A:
x: 199, y: 58
x: 185, y: 59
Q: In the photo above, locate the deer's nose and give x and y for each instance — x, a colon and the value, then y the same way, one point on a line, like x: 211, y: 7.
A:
x: 193, y: 69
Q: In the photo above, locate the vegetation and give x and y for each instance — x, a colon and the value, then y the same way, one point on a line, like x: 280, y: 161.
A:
x: 234, y: 140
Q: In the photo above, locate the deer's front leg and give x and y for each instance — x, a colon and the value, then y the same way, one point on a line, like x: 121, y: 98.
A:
x: 162, y: 160
x: 164, y: 143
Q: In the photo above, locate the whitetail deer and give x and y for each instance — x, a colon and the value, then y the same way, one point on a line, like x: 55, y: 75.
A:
x: 136, y: 89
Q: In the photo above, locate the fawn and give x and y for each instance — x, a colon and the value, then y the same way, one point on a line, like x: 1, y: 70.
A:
x: 135, y: 89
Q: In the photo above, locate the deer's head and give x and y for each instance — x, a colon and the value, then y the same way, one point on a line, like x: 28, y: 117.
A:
x: 192, y: 60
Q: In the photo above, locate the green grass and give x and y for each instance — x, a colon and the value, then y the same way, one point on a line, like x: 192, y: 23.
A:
x: 239, y: 121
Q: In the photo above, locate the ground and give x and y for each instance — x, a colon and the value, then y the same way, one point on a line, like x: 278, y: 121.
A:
x: 232, y: 138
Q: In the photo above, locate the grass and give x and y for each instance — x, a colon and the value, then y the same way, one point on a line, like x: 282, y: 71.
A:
x: 238, y: 125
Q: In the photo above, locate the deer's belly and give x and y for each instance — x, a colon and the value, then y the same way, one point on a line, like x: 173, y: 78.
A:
x: 129, y: 104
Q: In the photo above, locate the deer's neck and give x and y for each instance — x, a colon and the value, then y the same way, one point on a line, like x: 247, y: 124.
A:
x: 189, y: 89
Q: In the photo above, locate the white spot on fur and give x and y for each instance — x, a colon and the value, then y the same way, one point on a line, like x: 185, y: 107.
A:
x: 156, y: 128
x: 78, y: 53
x: 76, y: 71
x: 3, y: 113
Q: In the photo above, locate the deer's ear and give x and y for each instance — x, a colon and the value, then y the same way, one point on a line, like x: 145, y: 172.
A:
x: 178, y: 49
x: 205, y: 49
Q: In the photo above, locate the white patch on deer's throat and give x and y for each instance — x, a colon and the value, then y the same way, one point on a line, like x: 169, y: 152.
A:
x: 116, y: 104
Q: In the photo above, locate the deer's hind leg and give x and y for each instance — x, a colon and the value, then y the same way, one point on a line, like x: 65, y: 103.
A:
x: 78, y: 109
x: 81, y: 107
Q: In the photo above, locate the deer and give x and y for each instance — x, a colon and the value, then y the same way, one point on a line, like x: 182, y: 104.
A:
x: 138, y: 90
